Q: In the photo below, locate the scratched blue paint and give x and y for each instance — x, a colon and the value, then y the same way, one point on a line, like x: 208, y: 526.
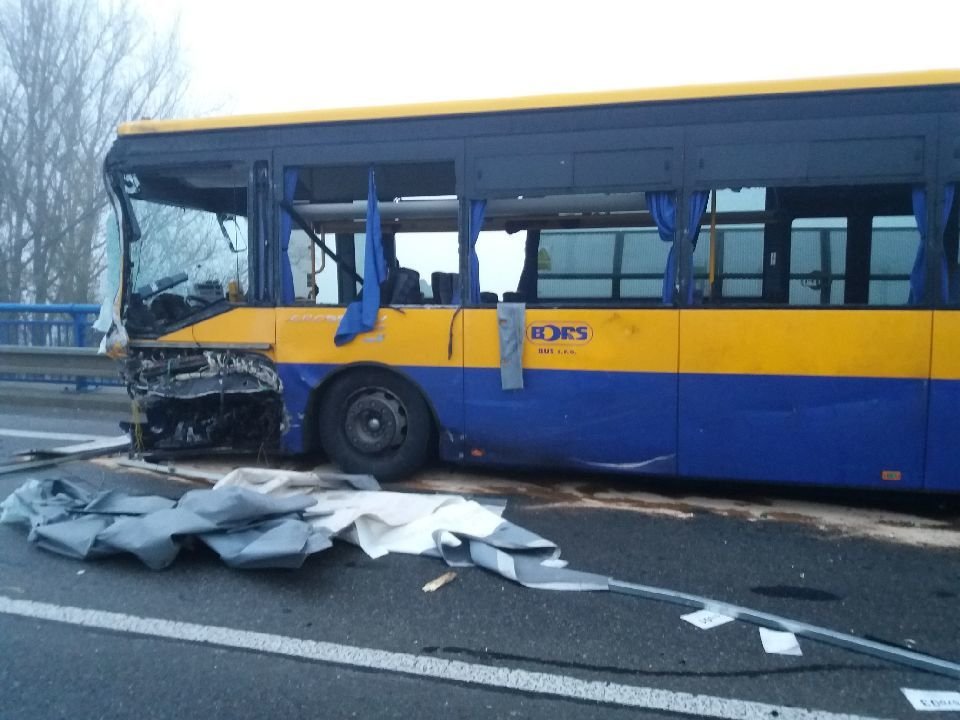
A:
x: 805, y: 430
x: 602, y: 420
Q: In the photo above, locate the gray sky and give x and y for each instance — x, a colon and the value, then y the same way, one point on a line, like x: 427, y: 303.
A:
x: 248, y: 56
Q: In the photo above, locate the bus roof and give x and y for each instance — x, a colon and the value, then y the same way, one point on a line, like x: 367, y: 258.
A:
x: 534, y: 102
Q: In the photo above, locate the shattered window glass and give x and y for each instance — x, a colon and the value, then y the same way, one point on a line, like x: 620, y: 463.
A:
x: 192, y: 252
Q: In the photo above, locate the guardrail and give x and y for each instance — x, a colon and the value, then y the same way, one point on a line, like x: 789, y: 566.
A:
x: 63, y: 361
x: 48, y: 329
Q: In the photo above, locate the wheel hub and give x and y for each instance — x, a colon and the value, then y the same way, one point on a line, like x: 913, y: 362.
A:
x: 375, y: 421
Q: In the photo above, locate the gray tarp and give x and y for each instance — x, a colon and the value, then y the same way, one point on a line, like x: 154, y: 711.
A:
x: 255, y: 518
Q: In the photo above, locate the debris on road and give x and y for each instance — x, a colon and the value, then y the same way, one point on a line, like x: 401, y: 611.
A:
x: 778, y: 642
x: 255, y: 518
x: 274, y: 518
x: 437, y: 583
x: 87, y: 449
x: 933, y: 700
x: 100, y: 445
x: 184, y: 472
x: 705, y: 619
x: 888, y: 525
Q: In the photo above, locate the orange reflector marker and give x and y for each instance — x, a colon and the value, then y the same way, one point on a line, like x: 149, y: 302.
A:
x: 891, y: 475
x: 476, y: 452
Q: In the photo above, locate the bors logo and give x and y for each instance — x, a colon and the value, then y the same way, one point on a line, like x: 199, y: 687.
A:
x: 559, y: 333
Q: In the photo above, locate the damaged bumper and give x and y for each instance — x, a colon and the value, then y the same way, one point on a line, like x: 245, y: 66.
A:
x: 205, y: 399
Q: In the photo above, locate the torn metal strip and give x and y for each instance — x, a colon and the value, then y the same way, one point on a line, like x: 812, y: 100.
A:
x: 51, y: 460
x: 102, y: 445
x: 883, y: 651
x: 180, y: 471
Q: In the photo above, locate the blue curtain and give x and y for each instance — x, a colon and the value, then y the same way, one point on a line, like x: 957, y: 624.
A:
x: 286, y: 272
x: 918, y: 275
x: 361, y: 315
x: 663, y: 209
x: 477, y: 210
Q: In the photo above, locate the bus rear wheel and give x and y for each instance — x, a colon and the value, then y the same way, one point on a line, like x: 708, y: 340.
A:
x: 374, y: 422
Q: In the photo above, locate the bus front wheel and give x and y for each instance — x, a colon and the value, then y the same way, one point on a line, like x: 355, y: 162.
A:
x: 372, y: 421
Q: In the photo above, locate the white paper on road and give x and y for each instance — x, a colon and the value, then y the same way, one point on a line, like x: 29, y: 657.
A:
x: 777, y: 642
x: 933, y: 700
x: 379, y: 521
x: 705, y: 619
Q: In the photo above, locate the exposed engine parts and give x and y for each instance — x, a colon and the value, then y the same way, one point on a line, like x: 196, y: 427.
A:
x: 205, y: 399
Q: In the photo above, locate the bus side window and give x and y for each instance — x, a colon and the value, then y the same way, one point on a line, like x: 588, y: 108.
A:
x: 731, y: 236
x: 435, y: 257
x: 594, y: 249
x: 893, y: 248
x: 818, y: 261
x: 808, y: 246
x: 328, y: 210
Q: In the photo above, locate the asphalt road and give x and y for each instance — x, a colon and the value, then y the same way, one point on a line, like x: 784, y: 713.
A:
x: 373, y: 617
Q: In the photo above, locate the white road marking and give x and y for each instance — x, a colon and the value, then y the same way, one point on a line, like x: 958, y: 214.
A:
x: 548, y: 684
x: 40, y: 435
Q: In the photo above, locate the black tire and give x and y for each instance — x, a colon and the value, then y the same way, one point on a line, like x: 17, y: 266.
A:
x: 372, y: 421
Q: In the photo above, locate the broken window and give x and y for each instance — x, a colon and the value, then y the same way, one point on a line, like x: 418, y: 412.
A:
x: 191, y: 258
x: 419, y: 212
x: 584, y: 249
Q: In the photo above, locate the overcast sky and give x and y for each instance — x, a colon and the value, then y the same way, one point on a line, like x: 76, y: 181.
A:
x: 247, y: 56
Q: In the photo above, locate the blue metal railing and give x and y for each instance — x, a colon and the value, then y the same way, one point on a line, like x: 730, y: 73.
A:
x: 64, y: 325
x: 56, y: 325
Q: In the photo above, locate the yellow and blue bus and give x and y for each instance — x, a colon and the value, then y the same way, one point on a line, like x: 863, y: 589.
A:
x: 750, y: 282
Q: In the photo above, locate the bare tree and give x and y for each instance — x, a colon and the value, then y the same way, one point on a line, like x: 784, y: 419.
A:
x: 70, y: 73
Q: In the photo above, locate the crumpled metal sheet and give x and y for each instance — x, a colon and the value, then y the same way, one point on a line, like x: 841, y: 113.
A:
x: 246, y: 528
x: 256, y: 518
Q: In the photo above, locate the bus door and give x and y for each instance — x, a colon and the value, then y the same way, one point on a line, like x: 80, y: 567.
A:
x: 804, y: 357
x: 594, y: 385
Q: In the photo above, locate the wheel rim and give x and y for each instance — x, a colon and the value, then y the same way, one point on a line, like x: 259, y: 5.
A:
x: 375, y: 421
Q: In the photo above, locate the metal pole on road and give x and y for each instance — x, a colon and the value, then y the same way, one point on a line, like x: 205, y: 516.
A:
x: 900, y: 656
